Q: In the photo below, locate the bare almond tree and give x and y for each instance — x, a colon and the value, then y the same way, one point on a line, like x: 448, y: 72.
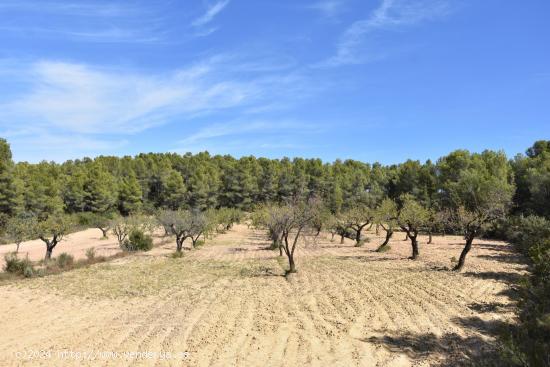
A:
x: 297, y: 220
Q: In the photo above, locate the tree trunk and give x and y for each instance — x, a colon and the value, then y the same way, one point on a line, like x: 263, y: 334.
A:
x: 342, y: 239
x: 50, y: 245
x: 429, y: 237
x: 358, y: 237
x: 414, y: 243
x: 332, y: 237
x: 17, y: 248
x: 179, y: 244
x: 467, y: 248
x: 104, y: 231
x: 292, y: 266
x: 280, y: 249
x: 49, y: 251
x: 386, y: 241
x: 406, y: 237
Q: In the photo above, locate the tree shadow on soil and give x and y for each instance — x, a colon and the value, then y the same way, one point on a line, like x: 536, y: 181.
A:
x: 494, y: 247
x: 365, y: 258
x: 480, y: 348
x: 501, y: 276
x: 444, y: 268
x: 343, y: 246
x: 261, y: 272
x: 505, y: 258
x: 450, y: 349
x: 256, y: 236
x: 485, y: 307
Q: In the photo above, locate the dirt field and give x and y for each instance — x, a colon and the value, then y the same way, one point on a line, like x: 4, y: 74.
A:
x: 228, y: 304
x: 74, y: 243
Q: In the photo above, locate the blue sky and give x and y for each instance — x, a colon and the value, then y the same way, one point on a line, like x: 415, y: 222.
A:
x: 374, y: 80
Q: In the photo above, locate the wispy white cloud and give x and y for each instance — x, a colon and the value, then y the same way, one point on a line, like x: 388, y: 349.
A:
x: 106, y: 35
x: 83, y: 99
x: 82, y: 8
x: 89, y: 21
x: 210, y: 13
x: 100, y: 105
x: 328, y: 8
x: 205, y: 32
x: 390, y: 14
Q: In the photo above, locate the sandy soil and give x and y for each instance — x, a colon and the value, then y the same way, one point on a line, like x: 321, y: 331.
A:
x: 75, y: 244
x: 228, y: 304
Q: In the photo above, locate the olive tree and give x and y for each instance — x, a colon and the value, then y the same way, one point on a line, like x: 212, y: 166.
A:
x: 356, y: 219
x: 322, y: 219
x: 440, y: 220
x: 222, y: 219
x: 478, y: 188
x: 185, y: 224
x: 100, y: 221
x: 165, y: 219
x: 270, y: 217
x: 200, y: 224
x: 18, y: 229
x: 386, y: 217
x: 334, y: 226
x: 412, y: 218
x: 473, y: 218
x: 51, y: 230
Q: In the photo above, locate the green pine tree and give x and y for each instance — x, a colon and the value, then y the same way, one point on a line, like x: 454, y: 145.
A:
x: 99, y: 190
x: 130, y: 196
x: 175, y: 191
x: 73, y: 190
x: 8, y: 189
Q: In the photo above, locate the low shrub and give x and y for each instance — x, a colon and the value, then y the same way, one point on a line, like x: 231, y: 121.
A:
x: 28, y: 272
x: 90, y: 254
x: 362, y: 242
x: 137, y: 241
x: 15, y: 265
x: 177, y: 254
x: 526, y: 232
x: 199, y: 243
x: 64, y: 260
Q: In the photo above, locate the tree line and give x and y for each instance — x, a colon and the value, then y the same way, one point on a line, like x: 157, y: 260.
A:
x: 162, y: 180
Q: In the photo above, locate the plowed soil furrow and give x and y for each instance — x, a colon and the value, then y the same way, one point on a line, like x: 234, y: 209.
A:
x: 228, y: 304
